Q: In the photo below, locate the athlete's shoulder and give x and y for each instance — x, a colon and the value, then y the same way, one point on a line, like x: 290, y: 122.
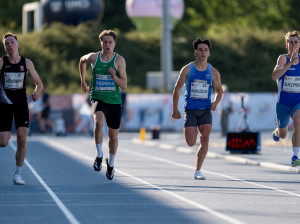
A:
x: 119, y: 57
x: 188, y: 67
x: 214, y: 71
x: 28, y: 62
x: 282, y: 59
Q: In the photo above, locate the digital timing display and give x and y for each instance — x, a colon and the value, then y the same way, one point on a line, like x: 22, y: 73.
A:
x: 243, y: 141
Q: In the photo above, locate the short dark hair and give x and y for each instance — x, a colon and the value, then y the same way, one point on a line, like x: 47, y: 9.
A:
x: 9, y: 35
x: 108, y: 33
x: 201, y: 41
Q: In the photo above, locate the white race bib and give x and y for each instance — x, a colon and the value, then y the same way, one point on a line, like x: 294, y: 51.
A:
x: 199, y: 89
x: 291, y: 84
x: 105, y: 83
x: 13, y: 80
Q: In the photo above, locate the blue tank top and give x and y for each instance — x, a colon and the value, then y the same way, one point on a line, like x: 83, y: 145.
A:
x: 198, y: 88
x: 289, y: 86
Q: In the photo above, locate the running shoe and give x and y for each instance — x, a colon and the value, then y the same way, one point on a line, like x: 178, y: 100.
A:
x: 110, y: 171
x: 295, y: 161
x: 275, y: 138
x: 18, y: 180
x: 98, y: 164
x: 198, y: 175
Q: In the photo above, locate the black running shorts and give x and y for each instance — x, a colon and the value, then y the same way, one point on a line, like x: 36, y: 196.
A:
x: 18, y: 112
x: 195, y: 118
x: 112, y: 112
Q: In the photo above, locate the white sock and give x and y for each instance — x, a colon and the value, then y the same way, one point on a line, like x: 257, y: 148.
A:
x: 296, y: 151
x: 18, y: 170
x: 111, y: 159
x: 99, y: 150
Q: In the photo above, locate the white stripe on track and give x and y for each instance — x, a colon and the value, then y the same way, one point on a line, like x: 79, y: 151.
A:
x: 195, y: 204
x: 213, y: 173
x: 59, y: 203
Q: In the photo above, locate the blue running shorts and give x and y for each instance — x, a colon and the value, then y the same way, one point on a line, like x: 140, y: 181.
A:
x: 283, y: 114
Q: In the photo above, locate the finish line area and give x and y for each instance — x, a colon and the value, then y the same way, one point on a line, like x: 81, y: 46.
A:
x: 153, y: 182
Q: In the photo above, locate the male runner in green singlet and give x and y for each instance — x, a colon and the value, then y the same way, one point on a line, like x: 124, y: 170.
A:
x: 108, y: 76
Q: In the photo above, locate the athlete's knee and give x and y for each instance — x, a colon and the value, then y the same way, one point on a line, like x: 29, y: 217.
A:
x: 296, y: 122
x: 282, y: 134
x: 4, y: 143
x: 99, y: 123
x: 204, y: 140
x: 21, y: 140
x: 190, y: 142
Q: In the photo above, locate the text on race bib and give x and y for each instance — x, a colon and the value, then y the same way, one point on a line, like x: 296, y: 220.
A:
x: 105, y: 83
x: 14, y: 80
x: 199, y: 89
x: 291, y: 84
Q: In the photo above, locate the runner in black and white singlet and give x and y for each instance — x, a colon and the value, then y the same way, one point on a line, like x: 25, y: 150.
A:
x: 199, y: 78
x: 13, y: 99
x: 287, y: 76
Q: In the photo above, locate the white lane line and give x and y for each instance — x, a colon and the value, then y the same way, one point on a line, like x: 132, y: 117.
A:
x: 195, y: 204
x: 213, y: 173
x: 59, y: 203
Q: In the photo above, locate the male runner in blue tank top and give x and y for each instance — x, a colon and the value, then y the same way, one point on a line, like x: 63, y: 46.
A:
x: 13, y: 99
x: 199, y: 78
x: 287, y: 75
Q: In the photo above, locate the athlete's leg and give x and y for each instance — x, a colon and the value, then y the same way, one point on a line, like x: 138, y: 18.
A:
x: 98, y: 127
x: 22, y: 145
x: 282, y: 119
x: 113, y: 140
x: 190, y: 135
x: 281, y: 132
x: 204, y: 131
x: 4, y: 138
x: 6, y: 119
x: 296, y: 133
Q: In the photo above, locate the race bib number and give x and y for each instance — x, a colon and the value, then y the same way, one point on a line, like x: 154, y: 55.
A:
x: 14, y: 80
x: 105, y: 83
x: 199, y: 89
x: 291, y: 84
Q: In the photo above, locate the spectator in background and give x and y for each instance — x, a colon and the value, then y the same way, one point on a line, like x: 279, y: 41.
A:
x: 225, y: 110
x: 44, y: 116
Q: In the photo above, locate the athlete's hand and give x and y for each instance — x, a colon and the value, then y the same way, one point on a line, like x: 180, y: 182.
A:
x: 35, y: 96
x: 294, y: 55
x: 213, y: 106
x: 112, y: 72
x: 84, y: 87
x: 176, y: 114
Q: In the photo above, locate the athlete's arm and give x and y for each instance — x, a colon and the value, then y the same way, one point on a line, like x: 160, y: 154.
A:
x: 218, y: 88
x: 36, y: 79
x: 176, y: 92
x: 281, y: 66
x: 121, y: 66
x: 88, y: 58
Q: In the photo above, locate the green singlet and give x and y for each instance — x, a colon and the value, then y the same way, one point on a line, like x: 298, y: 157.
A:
x: 103, y: 87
